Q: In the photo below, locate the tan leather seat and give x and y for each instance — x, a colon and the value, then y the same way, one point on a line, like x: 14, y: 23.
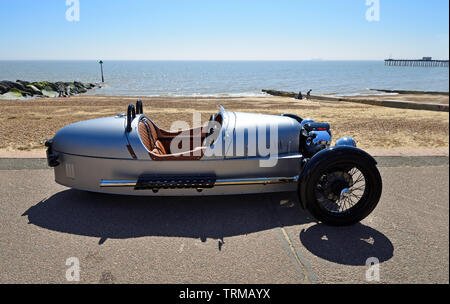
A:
x: 159, y: 148
x: 154, y: 139
x: 149, y: 137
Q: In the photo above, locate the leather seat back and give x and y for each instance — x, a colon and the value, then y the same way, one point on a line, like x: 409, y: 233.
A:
x: 149, y: 137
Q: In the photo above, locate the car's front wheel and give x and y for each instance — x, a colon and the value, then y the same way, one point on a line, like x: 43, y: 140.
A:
x: 342, y: 191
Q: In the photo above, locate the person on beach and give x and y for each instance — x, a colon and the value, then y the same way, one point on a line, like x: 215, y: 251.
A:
x: 61, y: 90
x: 68, y: 90
x: 308, y: 95
x: 300, y: 95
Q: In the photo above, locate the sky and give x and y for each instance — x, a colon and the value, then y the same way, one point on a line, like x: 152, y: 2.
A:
x: 223, y: 30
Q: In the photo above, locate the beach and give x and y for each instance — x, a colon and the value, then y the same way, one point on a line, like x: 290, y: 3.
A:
x: 25, y: 125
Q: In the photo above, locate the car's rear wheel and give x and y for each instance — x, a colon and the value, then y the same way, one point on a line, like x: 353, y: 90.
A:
x: 342, y: 192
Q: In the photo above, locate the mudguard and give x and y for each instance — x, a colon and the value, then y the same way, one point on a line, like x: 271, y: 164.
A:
x: 342, y: 151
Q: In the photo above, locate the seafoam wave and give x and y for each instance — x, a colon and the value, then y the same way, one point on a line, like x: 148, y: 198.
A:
x: 217, y: 95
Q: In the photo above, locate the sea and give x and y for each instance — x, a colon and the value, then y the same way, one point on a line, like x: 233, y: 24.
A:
x: 230, y: 78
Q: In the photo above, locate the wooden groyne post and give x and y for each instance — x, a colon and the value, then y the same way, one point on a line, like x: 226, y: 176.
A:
x: 424, y: 62
x: 101, y: 69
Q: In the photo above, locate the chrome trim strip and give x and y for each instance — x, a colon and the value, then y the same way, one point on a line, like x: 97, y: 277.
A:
x: 219, y: 182
x: 117, y: 183
x: 256, y: 181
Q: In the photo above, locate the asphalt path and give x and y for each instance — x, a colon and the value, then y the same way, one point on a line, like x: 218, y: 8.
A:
x: 230, y: 239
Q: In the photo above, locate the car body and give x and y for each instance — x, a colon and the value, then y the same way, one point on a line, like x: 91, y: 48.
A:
x: 235, y: 153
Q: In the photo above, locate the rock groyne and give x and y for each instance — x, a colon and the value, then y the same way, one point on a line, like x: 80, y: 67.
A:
x: 22, y: 89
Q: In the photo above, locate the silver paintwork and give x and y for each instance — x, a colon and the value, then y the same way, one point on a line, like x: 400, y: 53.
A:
x: 89, y: 171
x: 106, y: 137
x: 252, y: 130
x: 96, y: 150
x: 95, y: 154
x: 103, y: 137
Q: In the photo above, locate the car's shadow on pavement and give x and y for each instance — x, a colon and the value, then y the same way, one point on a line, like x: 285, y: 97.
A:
x: 351, y: 245
x: 216, y: 217
x: 121, y: 217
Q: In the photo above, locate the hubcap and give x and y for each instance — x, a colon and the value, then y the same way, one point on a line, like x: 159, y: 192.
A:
x: 345, y: 193
x: 339, y: 191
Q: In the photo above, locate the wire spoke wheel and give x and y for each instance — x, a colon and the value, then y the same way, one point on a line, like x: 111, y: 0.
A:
x: 339, y: 191
x: 342, y: 187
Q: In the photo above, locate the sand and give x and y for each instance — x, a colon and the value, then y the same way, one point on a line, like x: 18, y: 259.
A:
x: 26, y: 124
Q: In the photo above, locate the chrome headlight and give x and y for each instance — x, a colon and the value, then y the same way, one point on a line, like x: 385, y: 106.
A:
x: 346, y: 141
x: 321, y: 138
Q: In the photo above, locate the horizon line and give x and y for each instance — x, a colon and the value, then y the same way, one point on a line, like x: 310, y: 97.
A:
x: 90, y: 59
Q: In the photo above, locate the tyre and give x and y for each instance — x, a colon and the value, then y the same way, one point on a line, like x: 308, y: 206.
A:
x: 341, y: 189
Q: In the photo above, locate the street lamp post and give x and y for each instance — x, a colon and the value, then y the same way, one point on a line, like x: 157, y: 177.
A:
x: 101, y: 68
